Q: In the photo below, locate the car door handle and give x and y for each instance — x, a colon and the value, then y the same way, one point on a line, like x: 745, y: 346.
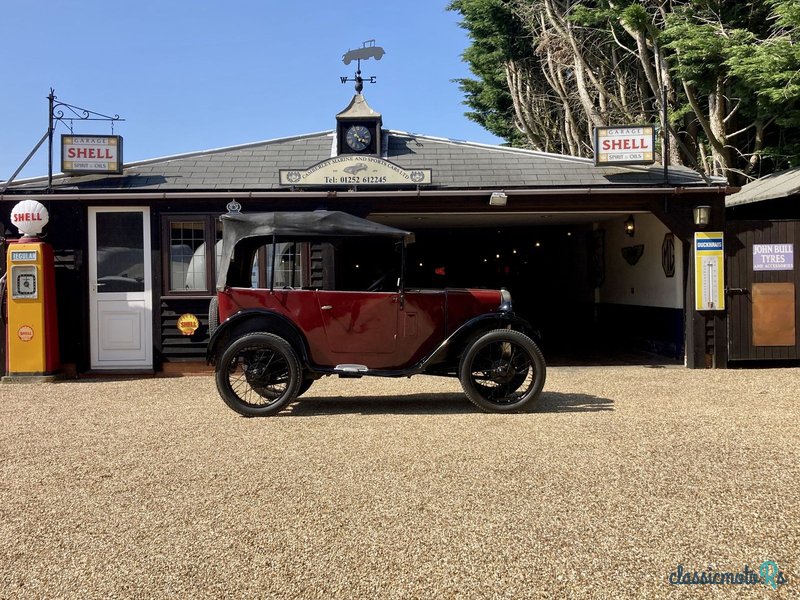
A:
x: 326, y: 307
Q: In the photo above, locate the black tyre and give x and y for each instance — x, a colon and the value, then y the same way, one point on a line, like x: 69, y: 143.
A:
x: 304, y: 386
x: 213, y: 315
x: 258, y: 374
x: 502, y: 371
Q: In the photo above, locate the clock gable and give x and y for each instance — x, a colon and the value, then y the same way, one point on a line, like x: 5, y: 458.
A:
x: 358, y: 128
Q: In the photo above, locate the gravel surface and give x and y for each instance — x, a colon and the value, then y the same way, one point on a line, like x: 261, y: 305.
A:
x: 381, y: 488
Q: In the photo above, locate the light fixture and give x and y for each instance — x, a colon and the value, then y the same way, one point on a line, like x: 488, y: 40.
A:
x: 498, y: 199
x: 702, y: 215
x: 630, y: 226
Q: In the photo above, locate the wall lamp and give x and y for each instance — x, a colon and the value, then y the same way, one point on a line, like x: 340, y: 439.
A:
x: 498, y: 199
x: 630, y: 225
x: 702, y: 215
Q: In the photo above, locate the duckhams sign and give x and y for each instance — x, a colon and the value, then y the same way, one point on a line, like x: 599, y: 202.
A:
x: 625, y: 145
x: 354, y: 170
x: 91, y: 154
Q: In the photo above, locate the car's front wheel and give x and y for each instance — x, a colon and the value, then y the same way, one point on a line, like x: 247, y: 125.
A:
x: 502, y: 371
x: 258, y: 374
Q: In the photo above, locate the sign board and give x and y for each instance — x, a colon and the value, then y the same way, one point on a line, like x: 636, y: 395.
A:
x: 624, y: 145
x: 709, y: 271
x: 354, y: 170
x: 24, y: 256
x: 773, y: 257
x: 91, y: 154
x: 188, y: 324
x: 29, y: 217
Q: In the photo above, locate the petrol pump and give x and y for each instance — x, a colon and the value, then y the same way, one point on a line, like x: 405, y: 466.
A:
x: 32, y: 327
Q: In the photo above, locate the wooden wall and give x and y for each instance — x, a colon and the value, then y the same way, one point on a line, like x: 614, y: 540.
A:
x: 741, y: 277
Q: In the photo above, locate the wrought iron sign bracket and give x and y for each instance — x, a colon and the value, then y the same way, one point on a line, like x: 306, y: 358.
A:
x: 57, y: 114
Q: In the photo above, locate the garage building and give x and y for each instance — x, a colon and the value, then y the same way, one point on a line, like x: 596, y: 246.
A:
x: 598, y: 258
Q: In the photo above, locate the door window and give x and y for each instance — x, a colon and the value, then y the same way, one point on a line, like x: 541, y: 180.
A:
x: 120, y: 252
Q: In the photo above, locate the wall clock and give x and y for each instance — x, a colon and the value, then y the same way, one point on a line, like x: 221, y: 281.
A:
x: 357, y: 137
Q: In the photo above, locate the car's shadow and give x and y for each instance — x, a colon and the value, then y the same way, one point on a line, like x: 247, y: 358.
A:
x: 434, y: 404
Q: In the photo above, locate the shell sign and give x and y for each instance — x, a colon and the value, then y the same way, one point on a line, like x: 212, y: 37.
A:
x: 188, y: 324
x: 30, y: 217
x: 91, y: 153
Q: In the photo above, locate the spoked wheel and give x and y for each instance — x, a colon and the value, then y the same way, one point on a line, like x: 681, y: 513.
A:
x: 502, y: 371
x: 258, y: 374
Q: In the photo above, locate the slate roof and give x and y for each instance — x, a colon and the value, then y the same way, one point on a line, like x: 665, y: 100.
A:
x: 455, y: 165
x: 769, y: 187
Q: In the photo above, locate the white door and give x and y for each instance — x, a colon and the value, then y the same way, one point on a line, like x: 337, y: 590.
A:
x: 120, y: 288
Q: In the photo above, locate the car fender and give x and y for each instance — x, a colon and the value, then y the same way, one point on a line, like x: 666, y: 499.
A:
x: 472, y: 329
x: 251, y: 320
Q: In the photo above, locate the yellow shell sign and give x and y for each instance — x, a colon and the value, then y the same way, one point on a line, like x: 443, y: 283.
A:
x: 188, y: 324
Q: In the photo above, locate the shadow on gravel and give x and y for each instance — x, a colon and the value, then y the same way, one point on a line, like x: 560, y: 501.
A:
x: 433, y: 404
x: 558, y: 402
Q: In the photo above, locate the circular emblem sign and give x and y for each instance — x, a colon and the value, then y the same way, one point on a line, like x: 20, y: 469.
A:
x: 188, y: 324
x: 25, y: 333
x: 668, y: 255
x: 30, y: 217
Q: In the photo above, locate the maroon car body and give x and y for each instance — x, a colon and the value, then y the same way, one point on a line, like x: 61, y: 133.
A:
x: 273, y: 342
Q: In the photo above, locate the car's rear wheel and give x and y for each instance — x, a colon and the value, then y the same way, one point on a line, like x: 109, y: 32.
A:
x: 502, y: 371
x: 258, y: 374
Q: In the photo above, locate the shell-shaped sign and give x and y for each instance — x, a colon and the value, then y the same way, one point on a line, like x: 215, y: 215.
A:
x: 188, y: 324
x: 30, y: 217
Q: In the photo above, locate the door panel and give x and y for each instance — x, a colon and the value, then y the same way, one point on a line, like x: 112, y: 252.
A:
x: 359, y: 322
x: 761, y: 322
x: 120, y: 292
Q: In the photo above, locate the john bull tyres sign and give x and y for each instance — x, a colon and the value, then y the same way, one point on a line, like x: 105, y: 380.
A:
x: 773, y: 257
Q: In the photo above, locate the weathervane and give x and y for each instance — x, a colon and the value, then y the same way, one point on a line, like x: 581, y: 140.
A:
x: 368, y: 50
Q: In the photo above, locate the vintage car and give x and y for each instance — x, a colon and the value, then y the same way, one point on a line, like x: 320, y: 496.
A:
x: 275, y: 333
x: 369, y: 50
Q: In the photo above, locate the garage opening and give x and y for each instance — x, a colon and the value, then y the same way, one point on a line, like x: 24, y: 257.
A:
x: 596, y: 294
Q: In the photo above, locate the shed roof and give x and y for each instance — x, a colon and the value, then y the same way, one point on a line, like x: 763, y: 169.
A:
x: 456, y: 165
x: 769, y: 187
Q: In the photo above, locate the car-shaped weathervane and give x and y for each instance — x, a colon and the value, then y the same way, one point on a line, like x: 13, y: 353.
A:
x: 369, y: 50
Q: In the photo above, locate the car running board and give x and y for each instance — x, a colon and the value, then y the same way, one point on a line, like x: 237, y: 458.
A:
x: 350, y: 370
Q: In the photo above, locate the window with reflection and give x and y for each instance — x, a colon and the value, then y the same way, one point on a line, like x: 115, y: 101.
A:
x: 195, y: 250
x: 288, y: 265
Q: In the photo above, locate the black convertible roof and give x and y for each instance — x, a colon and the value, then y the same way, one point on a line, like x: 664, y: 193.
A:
x: 318, y: 225
x: 286, y: 226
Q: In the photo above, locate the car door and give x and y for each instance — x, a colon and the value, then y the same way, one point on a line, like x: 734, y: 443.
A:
x: 359, y: 324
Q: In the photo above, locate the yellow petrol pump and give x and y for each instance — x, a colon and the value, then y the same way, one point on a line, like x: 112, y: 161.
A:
x: 32, y: 327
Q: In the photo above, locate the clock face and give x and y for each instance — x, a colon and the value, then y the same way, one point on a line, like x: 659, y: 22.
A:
x: 358, y: 137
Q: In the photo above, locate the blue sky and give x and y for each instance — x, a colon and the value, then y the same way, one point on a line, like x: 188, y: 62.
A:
x: 194, y: 75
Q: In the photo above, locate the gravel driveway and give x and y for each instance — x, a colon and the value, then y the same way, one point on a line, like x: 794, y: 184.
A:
x: 399, y: 489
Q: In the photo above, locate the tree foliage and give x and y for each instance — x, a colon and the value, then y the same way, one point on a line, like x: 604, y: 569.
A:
x: 727, y: 73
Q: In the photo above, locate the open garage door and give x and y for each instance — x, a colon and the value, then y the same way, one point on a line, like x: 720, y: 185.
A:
x: 572, y: 275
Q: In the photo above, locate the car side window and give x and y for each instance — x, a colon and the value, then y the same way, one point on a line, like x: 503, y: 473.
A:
x: 288, y: 266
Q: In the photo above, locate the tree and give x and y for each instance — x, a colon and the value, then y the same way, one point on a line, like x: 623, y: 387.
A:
x: 728, y: 72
